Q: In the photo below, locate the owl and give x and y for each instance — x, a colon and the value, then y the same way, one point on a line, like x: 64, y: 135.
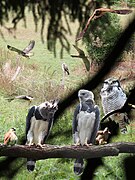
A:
x: 113, y: 98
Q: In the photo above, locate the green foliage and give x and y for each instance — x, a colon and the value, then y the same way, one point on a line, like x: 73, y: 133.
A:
x: 106, y: 32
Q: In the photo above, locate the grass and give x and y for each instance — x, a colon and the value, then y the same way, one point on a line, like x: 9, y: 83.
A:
x: 41, y: 76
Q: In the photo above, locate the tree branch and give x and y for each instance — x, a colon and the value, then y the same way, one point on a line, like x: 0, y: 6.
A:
x: 54, y: 151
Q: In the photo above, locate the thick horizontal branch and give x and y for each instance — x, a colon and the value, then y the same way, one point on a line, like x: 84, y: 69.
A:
x: 52, y: 151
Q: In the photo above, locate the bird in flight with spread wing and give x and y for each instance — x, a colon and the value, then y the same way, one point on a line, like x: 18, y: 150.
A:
x: 26, y: 51
x: 83, y: 56
x: 24, y: 97
x: 98, y: 13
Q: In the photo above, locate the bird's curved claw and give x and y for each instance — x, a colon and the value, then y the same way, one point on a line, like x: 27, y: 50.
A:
x: 39, y: 145
x: 88, y: 145
x: 30, y: 144
x: 77, y: 144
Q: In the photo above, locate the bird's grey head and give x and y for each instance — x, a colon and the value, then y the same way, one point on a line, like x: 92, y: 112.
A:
x: 110, y: 83
x: 48, y: 108
x: 85, y: 95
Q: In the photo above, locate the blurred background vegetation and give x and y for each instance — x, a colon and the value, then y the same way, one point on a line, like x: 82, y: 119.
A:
x: 54, y: 26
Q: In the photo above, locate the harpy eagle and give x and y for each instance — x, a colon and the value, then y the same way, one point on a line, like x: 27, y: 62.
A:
x: 113, y: 98
x: 38, y: 125
x: 98, y: 13
x: 85, y: 124
x: 26, y: 51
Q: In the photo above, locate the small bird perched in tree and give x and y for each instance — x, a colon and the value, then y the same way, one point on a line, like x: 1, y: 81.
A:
x: 10, y: 138
x: 38, y: 125
x: 83, y: 57
x: 102, y: 136
x: 113, y: 98
x: 26, y: 51
x: 85, y: 124
x: 65, y: 68
x: 98, y: 13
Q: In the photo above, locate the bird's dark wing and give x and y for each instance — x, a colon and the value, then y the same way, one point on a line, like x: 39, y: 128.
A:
x: 28, y: 118
x: 14, y: 49
x: 84, y: 58
x: 80, y: 51
x: 96, y: 125
x: 75, y: 120
x: 76, y: 56
x: 67, y: 70
x: 86, y: 63
x: 50, y: 124
x: 122, y: 11
x: 29, y: 47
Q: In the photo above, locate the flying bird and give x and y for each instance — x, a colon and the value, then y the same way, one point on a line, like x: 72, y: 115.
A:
x: 83, y: 57
x: 102, y: 136
x: 85, y: 124
x: 65, y: 68
x: 38, y: 125
x: 114, y: 98
x: 24, y: 97
x: 26, y: 51
x: 98, y: 13
x: 10, y: 138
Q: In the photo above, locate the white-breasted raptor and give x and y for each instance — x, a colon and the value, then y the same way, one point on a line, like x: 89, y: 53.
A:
x: 38, y: 125
x: 85, y: 124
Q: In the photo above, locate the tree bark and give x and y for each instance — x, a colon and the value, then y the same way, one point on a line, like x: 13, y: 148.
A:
x: 54, y: 151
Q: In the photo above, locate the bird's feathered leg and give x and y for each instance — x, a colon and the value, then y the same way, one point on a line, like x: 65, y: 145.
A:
x: 40, y: 140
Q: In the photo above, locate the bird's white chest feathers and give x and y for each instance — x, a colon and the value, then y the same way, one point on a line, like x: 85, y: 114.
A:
x: 38, y: 130
x: 86, y: 123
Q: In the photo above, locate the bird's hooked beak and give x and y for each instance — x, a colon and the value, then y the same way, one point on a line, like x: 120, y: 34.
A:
x: 14, y: 129
x: 55, y: 103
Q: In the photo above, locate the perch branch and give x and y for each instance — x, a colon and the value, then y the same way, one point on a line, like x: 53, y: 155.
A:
x: 54, y: 151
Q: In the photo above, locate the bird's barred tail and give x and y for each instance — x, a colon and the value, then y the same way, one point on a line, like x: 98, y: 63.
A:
x: 78, y: 167
x: 30, y: 165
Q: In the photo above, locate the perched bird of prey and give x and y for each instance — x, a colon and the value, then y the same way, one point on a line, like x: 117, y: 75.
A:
x: 26, y: 51
x: 113, y: 98
x: 38, y: 125
x: 85, y: 124
x: 10, y: 137
x: 65, y: 68
x: 83, y: 57
x: 98, y: 13
x: 24, y: 97
x: 102, y: 136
